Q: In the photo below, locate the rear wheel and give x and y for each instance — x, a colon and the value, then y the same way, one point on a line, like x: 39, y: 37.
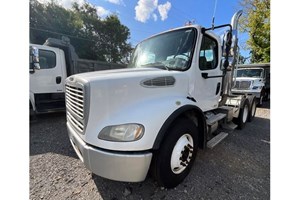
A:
x: 252, y: 111
x: 172, y: 163
x: 243, y: 115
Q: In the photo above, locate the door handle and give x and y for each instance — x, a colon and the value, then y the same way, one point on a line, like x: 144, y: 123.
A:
x: 218, y: 88
x: 58, y: 79
x: 205, y: 75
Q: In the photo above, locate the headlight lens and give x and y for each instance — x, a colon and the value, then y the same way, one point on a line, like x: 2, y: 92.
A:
x: 122, y: 133
x: 256, y: 87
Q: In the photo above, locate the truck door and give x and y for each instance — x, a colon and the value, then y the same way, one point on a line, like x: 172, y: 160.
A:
x: 49, y: 79
x: 208, y: 80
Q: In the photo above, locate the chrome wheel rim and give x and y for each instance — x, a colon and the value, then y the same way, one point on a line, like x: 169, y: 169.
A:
x: 182, y: 153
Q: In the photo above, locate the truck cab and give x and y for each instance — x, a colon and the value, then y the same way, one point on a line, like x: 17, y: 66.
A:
x: 50, y: 64
x: 253, y: 79
x: 153, y: 116
x: 47, y: 83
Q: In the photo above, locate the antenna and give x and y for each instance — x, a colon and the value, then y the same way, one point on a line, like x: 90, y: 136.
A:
x: 213, y: 19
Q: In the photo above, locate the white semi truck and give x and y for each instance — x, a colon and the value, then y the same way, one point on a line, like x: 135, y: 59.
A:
x: 253, y: 79
x: 50, y: 64
x: 174, y: 98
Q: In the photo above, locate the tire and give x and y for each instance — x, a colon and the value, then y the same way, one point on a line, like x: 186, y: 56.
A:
x: 260, y: 100
x: 267, y: 95
x: 173, y: 161
x: 261, y: 97
x: 243, y: 115
x: 32, y: 113
x: 252, y: 111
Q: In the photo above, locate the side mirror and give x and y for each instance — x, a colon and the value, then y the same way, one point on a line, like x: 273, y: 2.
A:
x: 227, y: 41
x: 34, y: 61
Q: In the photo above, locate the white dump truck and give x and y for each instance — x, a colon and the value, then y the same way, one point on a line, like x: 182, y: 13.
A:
x: 253, y: 79
x: 50, y: 64
x: 174, y: 97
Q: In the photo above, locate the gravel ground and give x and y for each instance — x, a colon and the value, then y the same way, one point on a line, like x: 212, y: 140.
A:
x: 237, y: 168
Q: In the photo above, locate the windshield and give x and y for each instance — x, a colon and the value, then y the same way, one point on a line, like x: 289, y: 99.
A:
x: 171, y: 51
x: 254, y: 73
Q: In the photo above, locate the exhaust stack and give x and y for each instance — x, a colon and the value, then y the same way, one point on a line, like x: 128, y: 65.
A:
x: 233, y: 55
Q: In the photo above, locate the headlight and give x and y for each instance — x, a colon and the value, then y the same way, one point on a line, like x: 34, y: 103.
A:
x: 122, y: 133
x: 256, y: 87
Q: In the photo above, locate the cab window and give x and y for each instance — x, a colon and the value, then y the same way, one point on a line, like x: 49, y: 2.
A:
x: 47, y: 59
x: 208, y: 58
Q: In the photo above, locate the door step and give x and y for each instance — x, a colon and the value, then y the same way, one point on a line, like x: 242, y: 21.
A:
x: 216, y: 140
x: 214, y: 118
x: 229, y: 126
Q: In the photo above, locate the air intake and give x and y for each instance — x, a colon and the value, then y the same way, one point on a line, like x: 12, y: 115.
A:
x: 164, y: 81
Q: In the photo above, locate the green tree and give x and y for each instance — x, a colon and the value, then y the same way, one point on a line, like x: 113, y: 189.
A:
x: 115, y: 34
x: 242, y: 59
x: 256, y: 22
x: 93, y: 38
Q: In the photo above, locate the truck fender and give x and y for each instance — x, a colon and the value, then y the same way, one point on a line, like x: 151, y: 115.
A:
x: 181, y: 112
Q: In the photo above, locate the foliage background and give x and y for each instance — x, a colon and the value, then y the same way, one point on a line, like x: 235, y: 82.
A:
x: 93, y: 37
x: 256, y: 22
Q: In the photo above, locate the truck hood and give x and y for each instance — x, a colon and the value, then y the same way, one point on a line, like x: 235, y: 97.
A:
x: 133, y: 80
x: 111, y: 91
x: 119, y: 96
x: 121, y: 74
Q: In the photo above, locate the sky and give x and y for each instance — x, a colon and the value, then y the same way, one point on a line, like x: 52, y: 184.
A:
x: 148, y: 17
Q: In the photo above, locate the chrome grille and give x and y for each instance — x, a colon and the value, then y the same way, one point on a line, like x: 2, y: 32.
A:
x: 75, y: 106
x: 242, y: 84
x: 77, y: 124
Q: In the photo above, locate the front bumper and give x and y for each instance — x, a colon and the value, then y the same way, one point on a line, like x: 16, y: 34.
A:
x: 253, y: 92
x: 119, y: 166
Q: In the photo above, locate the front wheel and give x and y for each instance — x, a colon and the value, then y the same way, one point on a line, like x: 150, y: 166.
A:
x: 267, y: 95
x: 261, y: 98
x: 173, y: 161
